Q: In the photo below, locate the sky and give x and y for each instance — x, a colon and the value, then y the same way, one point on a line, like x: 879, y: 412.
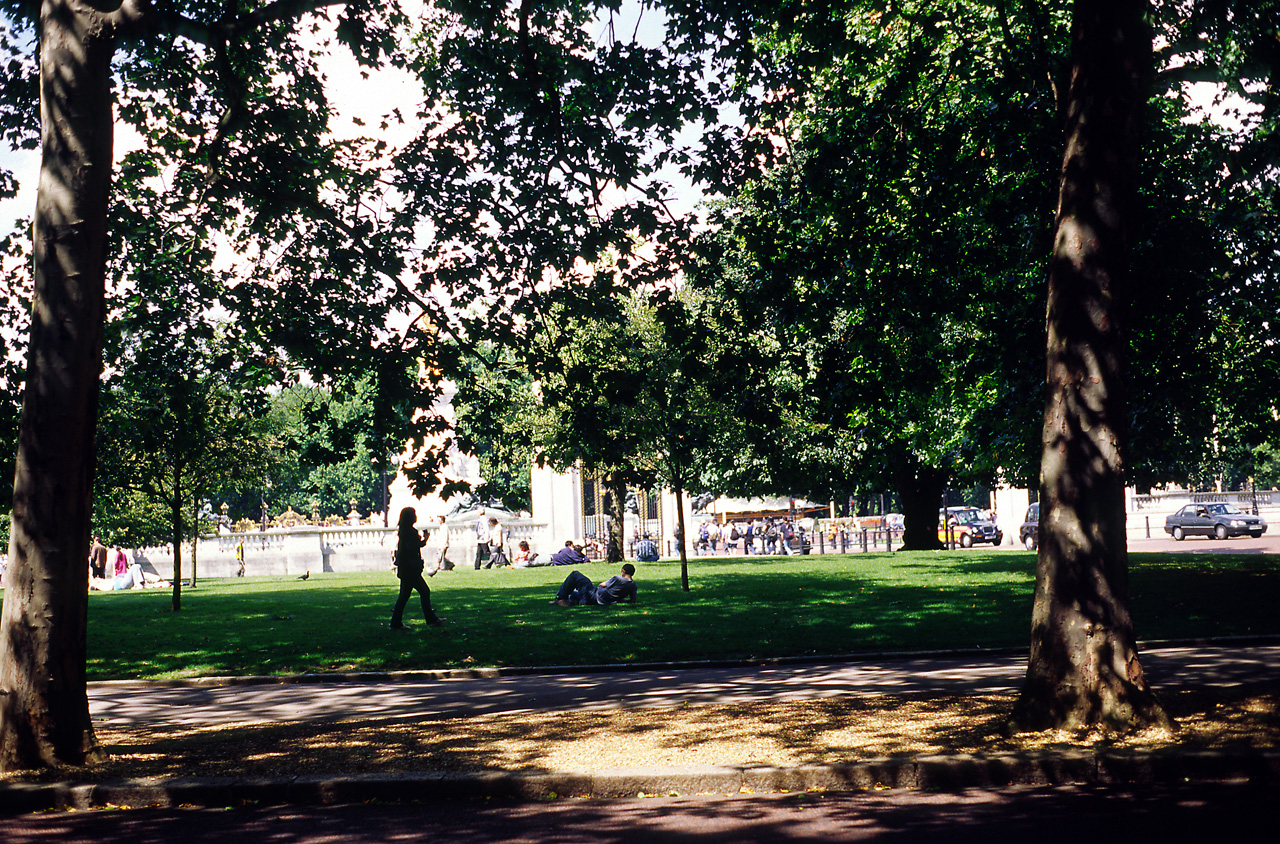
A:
x: 25, y: 165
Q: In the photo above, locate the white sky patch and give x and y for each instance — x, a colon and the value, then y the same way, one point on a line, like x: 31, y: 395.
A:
x: 25, y: 165
x: 1209, y: 100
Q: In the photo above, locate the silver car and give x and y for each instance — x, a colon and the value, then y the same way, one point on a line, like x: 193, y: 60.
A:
x: 1216, y: 519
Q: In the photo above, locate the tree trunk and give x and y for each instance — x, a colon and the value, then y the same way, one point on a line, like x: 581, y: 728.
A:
x: 44, y: 707
x: 195, y: 535
x: 920, y: 490
x: 684, y: 555
x: 1084, y: 667
x: 176, y: 513
x: 617, y: 515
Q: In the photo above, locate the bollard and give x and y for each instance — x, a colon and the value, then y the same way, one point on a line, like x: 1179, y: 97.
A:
x: 1147, y: 519
x: 864, y: 540
x: 822, y: 541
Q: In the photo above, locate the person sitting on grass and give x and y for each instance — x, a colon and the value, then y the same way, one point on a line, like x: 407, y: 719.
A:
x: 578, y: 590
x: 646, y: 550
x: 525, y: 557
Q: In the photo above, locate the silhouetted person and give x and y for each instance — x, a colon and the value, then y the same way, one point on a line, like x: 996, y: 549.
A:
x: 409, y: 569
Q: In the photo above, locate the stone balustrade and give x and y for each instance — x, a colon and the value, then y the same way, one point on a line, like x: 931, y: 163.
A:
x: 307, y: 548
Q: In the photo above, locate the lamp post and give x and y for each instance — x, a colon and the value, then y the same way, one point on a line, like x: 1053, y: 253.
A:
x: 265, y: 492
x: 393, y: 462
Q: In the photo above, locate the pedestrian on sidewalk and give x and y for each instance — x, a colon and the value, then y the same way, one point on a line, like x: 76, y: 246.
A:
x: 409, y: 567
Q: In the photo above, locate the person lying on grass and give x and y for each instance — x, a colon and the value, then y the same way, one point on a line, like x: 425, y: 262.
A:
x: 578, y: 590
x: 570, y: 555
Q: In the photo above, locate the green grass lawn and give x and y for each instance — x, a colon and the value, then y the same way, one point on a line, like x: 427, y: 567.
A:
x: 738, y: 608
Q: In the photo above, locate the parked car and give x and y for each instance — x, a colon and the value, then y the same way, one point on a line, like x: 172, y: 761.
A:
x: 1215, y: 519
x: 968, y: 526
x: 1029, y: 531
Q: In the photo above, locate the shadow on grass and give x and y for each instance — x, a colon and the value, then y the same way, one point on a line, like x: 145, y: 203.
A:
x: 737, y: 608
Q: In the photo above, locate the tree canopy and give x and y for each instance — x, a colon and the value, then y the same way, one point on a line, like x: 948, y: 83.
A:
x: 893, y: 262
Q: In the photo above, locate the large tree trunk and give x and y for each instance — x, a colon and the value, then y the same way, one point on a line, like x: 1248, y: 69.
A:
x: 44, y: 707
x: 1084, y: 666
x: 617, y: 515
x: 920, y: 490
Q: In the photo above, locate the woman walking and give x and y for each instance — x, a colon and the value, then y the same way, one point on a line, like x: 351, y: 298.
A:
x: 409, y: 569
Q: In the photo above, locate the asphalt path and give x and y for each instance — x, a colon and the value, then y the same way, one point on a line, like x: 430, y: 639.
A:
x: 1198, y: 812
x: 1268, y: 543
x: 414, y: 697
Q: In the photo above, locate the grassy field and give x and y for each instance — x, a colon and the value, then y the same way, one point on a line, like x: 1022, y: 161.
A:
x: 738, y: 608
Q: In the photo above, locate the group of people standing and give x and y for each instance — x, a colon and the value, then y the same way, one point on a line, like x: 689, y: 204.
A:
x: 758, y: 536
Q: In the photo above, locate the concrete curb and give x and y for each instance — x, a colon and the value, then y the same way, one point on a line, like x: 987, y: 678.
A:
x: 933, y: 773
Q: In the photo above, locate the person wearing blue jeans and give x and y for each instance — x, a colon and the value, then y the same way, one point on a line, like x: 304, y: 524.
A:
x: 578, y: 590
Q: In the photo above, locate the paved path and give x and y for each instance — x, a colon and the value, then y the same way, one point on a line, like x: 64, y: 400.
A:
x: 414, y: 697
x: 1071, y: 815
x: 1268, y: 544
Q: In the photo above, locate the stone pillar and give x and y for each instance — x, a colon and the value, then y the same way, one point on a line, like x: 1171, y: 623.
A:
x: 1010, y: 505
x: 556, y: 500
x: 302, y: 550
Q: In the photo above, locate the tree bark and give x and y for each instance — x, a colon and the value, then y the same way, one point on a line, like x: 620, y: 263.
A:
x: 920, y: 490
x: 1084, y: 667
x: 44, y: 707
x: 684, y: 555
x: 176, y: 514
x: 195, y: 535
x: 617, y: 515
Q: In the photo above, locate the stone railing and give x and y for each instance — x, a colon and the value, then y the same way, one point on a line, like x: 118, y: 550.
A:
x: 1168, y: 501
x: 535, y: 533
x: 308, y: 548
x: 343, y: 536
